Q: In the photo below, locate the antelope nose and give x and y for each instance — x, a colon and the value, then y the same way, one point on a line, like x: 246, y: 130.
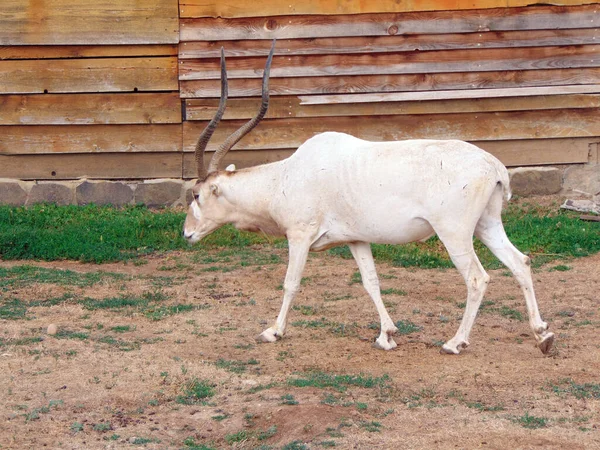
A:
x: 187, y: 235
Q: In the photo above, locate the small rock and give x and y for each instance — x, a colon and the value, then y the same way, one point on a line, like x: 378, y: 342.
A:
x: 52, y: 329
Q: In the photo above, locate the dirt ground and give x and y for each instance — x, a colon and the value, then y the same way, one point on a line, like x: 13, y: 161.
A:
x: 114, y: 377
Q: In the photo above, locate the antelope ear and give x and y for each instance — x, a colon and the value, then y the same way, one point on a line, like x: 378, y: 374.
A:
x: 230, y: 168
x: 214, y: 190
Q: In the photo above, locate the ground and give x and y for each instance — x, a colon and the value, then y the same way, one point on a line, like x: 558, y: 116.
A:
x: 162, y: 355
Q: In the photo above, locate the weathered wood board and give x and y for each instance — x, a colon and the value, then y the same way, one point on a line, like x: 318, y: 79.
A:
x: 438, y: 22
x: 88, y: 75
x: 74, y: 22
x: 291, y: 133
x: 446, y: 61
x: 388, y: 44
x: 393, y: 83
x: 98, y: 165
x: 38, y: 139
x: 290, y: 107
x: 511, y: 153
x: 239, y: 8
x: 84, y: 51
x: 90, y: 109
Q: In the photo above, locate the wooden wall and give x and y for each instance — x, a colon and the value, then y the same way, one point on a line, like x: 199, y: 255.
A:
x: 125, y: 92
x: 89, y: 89
x: 521, y: 82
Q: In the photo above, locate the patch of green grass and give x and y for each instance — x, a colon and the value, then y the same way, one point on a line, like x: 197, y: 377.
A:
x: 144, y: 441
x: 13, y: 309
x: 560, y: 268
x: 122, y: 328
x: 68, y: 334
x: 235, y: 366
x: 267, y: 434
x: 393, y: 291
x: 103, y: 234
x: 317, y: 323
x: 407, y: 327
x: 195, y: 391
x: 373, y: 426
x: 191, y: 444
x: 340, y: 383
x: 288, y: 399
x: 240, y: 436
x: 20, y: 341
x: 569, y: 387
x: 531, y: 422
x: 24, y: 275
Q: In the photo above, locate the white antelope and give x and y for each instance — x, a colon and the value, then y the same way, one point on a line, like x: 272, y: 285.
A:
x: 337, y: 189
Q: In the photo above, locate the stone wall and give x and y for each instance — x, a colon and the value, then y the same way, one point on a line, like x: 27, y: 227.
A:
x: 153, y: 193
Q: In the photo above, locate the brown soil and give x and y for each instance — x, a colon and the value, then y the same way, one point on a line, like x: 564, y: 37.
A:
x: 94, y: 392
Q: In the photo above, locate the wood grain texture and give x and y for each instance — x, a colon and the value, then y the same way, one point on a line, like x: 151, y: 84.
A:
x: 290, y: 107
x: 512, y: 153
x: 448, y: 95
x: 90, y: 109
x: 438, y: 22
x: 238, y: 8
x: 76, y: 22
x: 291, y: 133
x: 388, y: 44
x: 88, y: 75
x: 392, y: 83
x: 99, y: 165
x: 484, y: 60
x: 84, y: 51
x: 38, y: 139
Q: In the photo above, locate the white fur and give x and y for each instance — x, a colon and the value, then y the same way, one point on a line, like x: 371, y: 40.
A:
x: 337, y: 189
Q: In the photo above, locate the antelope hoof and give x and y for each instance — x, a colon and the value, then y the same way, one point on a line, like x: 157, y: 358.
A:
x: 385, y: 342
x: 269, y: 335
x: 451, y: 348
x: 546, y: 343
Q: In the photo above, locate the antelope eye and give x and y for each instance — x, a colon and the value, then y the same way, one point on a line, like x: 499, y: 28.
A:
x: 196, y: 197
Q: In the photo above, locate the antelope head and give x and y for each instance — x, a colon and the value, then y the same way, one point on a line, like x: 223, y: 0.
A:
x: 208, y: 210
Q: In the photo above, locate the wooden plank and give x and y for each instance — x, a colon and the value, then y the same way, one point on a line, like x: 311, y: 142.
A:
x: 290, y: 107
x: 88, y: 75
x: 291, y: 133
x: 36, y: 139
x: 90, y: 109
x: 512, y: 153
x: 239, y: 8
x: 448, y: 95
x: 92, y: 165
x: 388, y: 44
x: 485, y: 60
x: 84, y: 51
x: 392, y: 83
x: 75, y: 22
x: 240, y: 158
x: 439, y: 22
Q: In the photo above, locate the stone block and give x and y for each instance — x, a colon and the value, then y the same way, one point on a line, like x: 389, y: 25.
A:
x: 527, y: 181
x: 160, y: 193
x: 583, y: 179
x: 11, y: 193
x: 60, y: 194
x: 103, y: 193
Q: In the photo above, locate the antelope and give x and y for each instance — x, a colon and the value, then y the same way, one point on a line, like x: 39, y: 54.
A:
x: 337, y: 189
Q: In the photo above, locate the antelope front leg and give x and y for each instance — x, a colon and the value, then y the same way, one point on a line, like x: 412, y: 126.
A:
x: 298, y: 251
